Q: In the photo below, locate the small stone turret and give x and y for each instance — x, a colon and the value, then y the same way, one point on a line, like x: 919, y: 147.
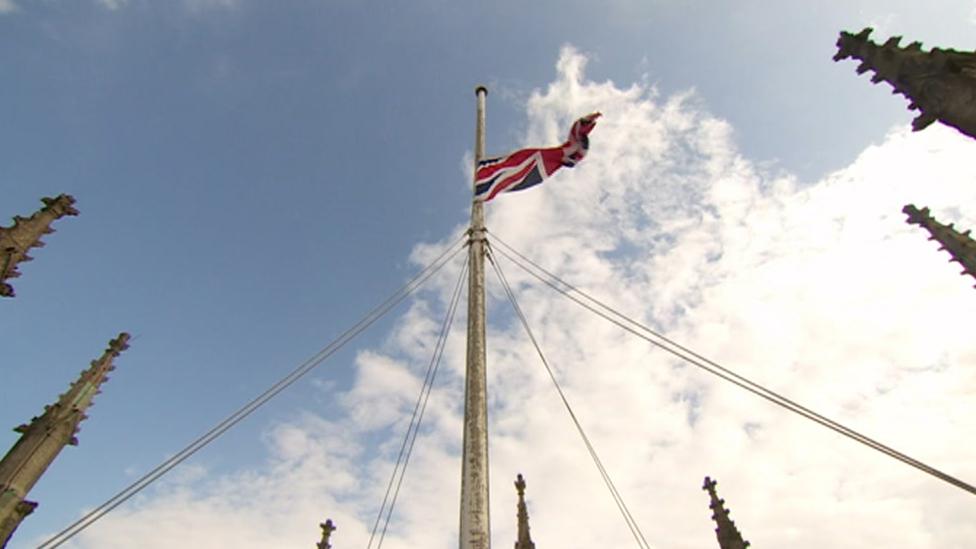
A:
x: 327, y: 529
x: 45, y: 436
x: 941, y: 84
x: 26, y: 233
x: 726, y: 532
x: 524, y: 539
x: 960, y: 246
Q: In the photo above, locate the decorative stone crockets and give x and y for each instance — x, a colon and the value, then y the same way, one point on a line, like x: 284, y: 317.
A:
x: 941, y: 84
x: 25, y: 234
x: 961, y: 246
x: 726, y: 532
x: 45, y: 436
x: 524, y: 540
x: 327, y: 528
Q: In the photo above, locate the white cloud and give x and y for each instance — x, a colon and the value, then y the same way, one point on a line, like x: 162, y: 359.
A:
x: 112, y: 5
x: 205, y: 5
x: 819, y: 291
x: 8, y: 6
x: 883, y: 24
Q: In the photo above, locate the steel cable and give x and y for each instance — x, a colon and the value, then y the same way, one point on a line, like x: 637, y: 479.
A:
x: 406, y: 449
x: 710, y: 366
x: 371, y: 317
x: 617, y: 498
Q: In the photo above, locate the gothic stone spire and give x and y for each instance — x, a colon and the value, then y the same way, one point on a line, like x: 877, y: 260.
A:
x: 524, y: 540
x: 327, y: 529
x: 727, y: 534
x: 43, y: 438
x: 961, y: 246
x: 939, y: 83
x: 25, y: 234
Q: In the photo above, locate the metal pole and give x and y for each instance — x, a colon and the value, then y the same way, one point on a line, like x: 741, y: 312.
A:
x: 475, y: 531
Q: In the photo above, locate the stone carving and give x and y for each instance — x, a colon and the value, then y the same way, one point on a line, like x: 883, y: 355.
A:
x: 45, y: 436
x: 726, y: 532
x: 524, y: 540
x: 941, y: 84
x: 327, y: 529
x: 25, y: 234
x: 960, y: 246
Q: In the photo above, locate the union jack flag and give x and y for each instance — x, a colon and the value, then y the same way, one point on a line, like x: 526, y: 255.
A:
x: 529, y: 167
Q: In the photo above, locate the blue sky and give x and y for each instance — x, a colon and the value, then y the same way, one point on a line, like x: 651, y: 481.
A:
x: 252, y: 177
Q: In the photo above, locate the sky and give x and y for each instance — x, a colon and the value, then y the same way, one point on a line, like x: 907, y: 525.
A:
x: 253, y: 177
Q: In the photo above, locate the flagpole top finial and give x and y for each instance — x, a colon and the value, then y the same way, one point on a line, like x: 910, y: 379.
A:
x: 481, y: 89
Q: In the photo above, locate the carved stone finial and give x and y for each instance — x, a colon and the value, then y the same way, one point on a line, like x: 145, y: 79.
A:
x: 80, y: 396
x: 941, y: 84
x: 45, y: 436
x: 961, y: 246
x: 524, y: 539
x: 327, y: 529
x: 726, y: 532
x: 916, y: 216
x: 25, y: 234
x: 119, y: 344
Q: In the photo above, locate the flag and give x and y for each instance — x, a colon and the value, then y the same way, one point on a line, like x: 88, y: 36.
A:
x: 529, y: 167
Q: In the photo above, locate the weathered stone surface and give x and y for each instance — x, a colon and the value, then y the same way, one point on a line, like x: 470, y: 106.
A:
x: 940, y: 83
x: 524, y: 540
x: 45, y: 436
x: 327, y: 529
x: 25, y: 234
x: 960, y: 246
x: 726, y: 532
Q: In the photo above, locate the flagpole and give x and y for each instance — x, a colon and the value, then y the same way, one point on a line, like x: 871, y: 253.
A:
x: 475, y: 531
